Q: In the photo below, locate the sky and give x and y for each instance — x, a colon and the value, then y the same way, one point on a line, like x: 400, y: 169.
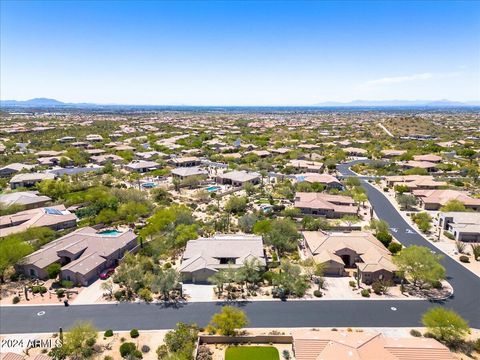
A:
x: 239, y: 53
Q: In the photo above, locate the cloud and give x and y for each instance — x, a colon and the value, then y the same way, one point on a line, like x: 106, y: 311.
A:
x: 407, y: 78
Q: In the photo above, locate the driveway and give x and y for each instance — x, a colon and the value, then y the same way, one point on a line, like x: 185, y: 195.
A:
x: 198, y: 292
x: 90, y: 294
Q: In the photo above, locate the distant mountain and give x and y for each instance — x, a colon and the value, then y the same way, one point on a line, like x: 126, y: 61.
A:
x: 387, y: 103
x: 40, y: 102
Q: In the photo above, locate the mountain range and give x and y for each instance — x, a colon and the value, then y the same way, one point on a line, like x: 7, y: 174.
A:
x: 51, y: 103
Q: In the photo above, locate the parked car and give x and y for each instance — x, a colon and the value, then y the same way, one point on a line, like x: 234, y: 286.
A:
x: 105, y: 274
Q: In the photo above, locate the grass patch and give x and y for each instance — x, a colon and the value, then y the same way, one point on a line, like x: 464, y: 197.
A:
x: 251, y: 353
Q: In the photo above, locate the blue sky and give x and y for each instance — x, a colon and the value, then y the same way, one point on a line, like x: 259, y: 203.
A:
x: 239, y: 53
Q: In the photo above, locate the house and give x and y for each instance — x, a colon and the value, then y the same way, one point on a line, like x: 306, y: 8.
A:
x: 66, y: 139
x: 390, y: 153
x: 353, y: 151
x: 435, y: 199
x: 26, y: 199
x: 260, y: 153
x: 464, y: 226
x: 308, y: 165
x: 203, y: 257
x: 94, y: 138
x: 13, y: 168
x: 322, y: 204
x: 412, y: 164
x: 48, y: 153
x: 141, y: 166
x: 238, y: 178
x: 29, y: 179
x: 185, y: 161
x: 414, y: 182
x: 330, y: 182
x: 83, y: 254
x: 336, y: 345
x: 432, y: 158
x: 54, y: 217
x: 183, y: 173
x: 105, y: 158
x: 53, y: 160
x: 348, y: 250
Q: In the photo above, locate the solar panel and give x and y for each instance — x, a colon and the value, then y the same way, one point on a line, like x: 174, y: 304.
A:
x: 51, y: 211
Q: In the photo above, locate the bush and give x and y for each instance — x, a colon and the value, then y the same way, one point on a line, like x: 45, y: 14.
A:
x: 127, y: 349
x: 108, y: 357
x: 145, y: 294
x: 108, y: 333
x: 16, y: 300
x: 352, y: 283
x: 90, y: 342
x: 60, y: 293
x: 448, y: 235
x: 385, y: 238
x: 204, y: 353
x: 415, y: 333
x: 464, y: 259
x: 167, y: 265
x: 53, y: 270
x: 377, y: 288
x: 38, y: 289
x: 134, y: 333
x: 317, y: 293
x: 66, y: 284
x: 365, y: 293
x: 394, y: 247
x: 477, y: 345
x: 268, y: 276
x: 119, y: 295
x: 145, y: 349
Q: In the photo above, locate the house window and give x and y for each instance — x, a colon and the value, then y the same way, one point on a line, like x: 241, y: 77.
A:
x: 33, y: 272
x: 224, y: 261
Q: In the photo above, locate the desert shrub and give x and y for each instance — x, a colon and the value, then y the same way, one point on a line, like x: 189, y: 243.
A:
x: 377, y: 288
x: 38, y: 289
x: 129, y: 349
x: 119, y: 295
x: 145, y: 294
x: 415, y: 333
x: 60, y: 293
x: 385, y: 238
x: 352, y: 283
x: 145, y: 349
x: 108, y: 357
x: 365, y: 293
x: 66, y: 284
x: 16, y: 300
x: 108, y: 333
x: 464, y: 259
x: 394, y: 247
x: 167, y: 265
x: 90, y: 342
x: 448, y: 235
x: 134, y: 333
x: 317, y: 293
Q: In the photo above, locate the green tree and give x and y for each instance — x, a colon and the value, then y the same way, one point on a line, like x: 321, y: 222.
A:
x: 400, y: 189
x: 290, y: 280
x: 180, y: 342
x: 262, y: 227
x: 53, y: 270
x: 236, y: 204
x: 420, y: 265
x: 165, y: 281
x: 250, y: 272
x: 283, y: 235
x: 247, y: 222
x: 453, y: 205
x: 446, y: 325
x: 228, y: 321
x: 406, y: 201
x: 79, y: 340
x: 12, y: 249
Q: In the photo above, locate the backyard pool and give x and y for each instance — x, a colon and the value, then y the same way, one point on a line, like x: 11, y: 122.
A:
x: 212, y: 188
x: 111, y: 232
x: 149, y: 185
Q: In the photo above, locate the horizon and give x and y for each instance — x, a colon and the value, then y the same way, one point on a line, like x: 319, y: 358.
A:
x: 239, y: 53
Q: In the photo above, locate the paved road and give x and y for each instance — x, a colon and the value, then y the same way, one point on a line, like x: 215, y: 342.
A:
x: 266, y: 313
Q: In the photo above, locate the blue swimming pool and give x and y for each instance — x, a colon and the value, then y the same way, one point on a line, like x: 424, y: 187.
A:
x: 212, y: 188
x: 111, y: 232
x: 149, y: 185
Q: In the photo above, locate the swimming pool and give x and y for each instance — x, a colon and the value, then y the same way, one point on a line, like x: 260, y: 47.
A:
x: 149, y: 185
x: 111, y: 232
x: 212, y: 188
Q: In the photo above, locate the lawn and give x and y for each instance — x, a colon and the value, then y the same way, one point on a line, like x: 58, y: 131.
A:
x: 251, y: 353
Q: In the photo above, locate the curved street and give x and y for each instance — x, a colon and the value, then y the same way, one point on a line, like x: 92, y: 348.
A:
x: 276, y: 314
